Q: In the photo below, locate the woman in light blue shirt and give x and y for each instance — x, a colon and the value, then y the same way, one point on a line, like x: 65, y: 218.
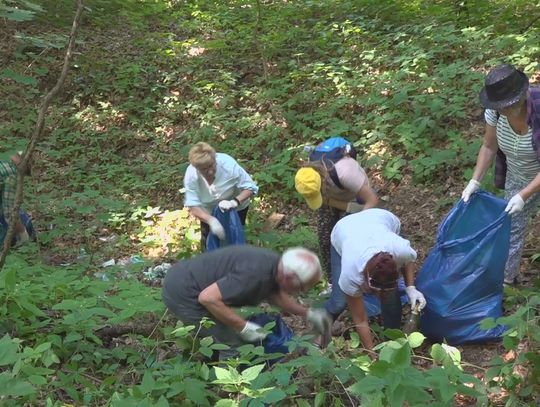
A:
x: 215, y: 179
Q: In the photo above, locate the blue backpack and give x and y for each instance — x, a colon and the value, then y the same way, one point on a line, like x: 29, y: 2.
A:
x: 329, y: 152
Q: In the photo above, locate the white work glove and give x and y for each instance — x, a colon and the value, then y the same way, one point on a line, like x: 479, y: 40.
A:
x: 415, y: 296
x: 227, y: 205
x: 216, y: 228
x: 354, y: 207
x: 515, y: 204
x: 320, y: 319
x: 21, y: 238
x: 470, y: 189
x: 252, y: 332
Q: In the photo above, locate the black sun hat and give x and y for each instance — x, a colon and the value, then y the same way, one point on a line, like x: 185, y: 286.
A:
x: 504, y: 85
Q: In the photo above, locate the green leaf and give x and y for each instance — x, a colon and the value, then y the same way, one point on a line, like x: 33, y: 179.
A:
x: 438, y: 353
x: 14, y: 387
x: 415, y: 339
x: 42, y: 347
x: 196, y: 391
x: 16, y: 14
x: 9, y: 278
x: 204, y: 372
x: 37, y: 380
x: 148, y: 383
x: 226, y: 403
x: 22, y: 79
x: 222, y: 374
x: 397, y: 397
x: 162, y: 402
x: 30, y: 307
x: 273, y: 396
x: 8, y: 351
x: 488, y: 323
x: 367, y: 385
x: 393, y: 333
x: 207, y: 341
x: 252, y: 373
x: 320, y: 399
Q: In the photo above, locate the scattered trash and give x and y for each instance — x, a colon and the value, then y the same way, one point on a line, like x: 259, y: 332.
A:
x: 109, y: 239
x: 108, y: 263
x: 136, y: 259
x: 411, y: 324
x: 157, y: 272
x: 153, y: 274
x: 82, y: 254
x: 102, y: 276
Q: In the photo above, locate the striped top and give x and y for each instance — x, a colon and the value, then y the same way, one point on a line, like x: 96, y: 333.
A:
x: 520, y: 155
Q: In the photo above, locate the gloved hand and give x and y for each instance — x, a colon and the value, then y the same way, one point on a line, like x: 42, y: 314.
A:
x: 252, y: 332
x: 216, y: 228
x: 353, y: 207
x: 415, y: 296
x: 320, y: 319
x: 21, y: 238
x: 470, y: 189
x: 515, y: 204
x: 227, y: 205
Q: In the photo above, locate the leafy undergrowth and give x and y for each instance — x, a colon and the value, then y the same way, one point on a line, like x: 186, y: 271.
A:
x: 259, y: 80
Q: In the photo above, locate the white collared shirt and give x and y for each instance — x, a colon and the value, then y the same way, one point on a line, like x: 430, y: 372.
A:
x: 230, y: 180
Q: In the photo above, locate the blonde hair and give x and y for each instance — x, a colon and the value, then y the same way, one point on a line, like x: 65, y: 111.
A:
x: 301, y: 262
x: 202, y: 155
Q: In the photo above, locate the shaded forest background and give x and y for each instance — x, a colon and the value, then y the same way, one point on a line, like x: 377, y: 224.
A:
x: 258, y: 80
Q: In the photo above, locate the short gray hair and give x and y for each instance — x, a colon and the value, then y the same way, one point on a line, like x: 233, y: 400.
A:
x: 301, y: 262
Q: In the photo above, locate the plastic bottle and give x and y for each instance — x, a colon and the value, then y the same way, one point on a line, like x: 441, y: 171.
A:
x: 411, y: 324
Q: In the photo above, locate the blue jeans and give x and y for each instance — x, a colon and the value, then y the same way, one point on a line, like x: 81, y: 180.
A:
x: 336, y: 304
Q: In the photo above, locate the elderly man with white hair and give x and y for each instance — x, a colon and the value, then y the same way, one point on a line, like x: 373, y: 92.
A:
x: 210, y: 284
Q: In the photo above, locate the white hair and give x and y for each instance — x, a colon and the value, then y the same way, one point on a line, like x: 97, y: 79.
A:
x: 301, y: 262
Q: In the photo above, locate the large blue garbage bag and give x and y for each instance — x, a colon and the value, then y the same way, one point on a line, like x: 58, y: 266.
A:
x: 373, y: 303
x: 25, y: 220
x: 462, y: 277
x: 234, y: 231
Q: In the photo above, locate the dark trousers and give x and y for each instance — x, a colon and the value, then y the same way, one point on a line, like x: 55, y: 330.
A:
x: 205, y: 229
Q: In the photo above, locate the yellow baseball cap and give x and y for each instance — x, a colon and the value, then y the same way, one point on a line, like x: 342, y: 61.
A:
x: 308, y: 183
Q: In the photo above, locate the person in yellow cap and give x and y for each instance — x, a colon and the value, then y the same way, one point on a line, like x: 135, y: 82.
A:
x: 334, y: 189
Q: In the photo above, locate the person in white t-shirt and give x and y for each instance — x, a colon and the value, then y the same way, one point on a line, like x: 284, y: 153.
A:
x: 215, y: 179
x: 368, y: 255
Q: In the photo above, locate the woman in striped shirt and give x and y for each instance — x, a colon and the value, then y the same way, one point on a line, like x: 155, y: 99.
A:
x: 512, y: 136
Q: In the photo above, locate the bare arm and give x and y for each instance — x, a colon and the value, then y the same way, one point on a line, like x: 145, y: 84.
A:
x: 200, y: 213
x: 367, y: 195
x: 212, y: 300
x: 245, y: 194
x: 487, y: 153
x: 408, y: 274
x: 360, y: 319
x: 288, y: 304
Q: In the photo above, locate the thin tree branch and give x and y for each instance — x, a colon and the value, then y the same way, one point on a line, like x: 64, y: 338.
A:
x: 530, y: 24
x: 36, y: 135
